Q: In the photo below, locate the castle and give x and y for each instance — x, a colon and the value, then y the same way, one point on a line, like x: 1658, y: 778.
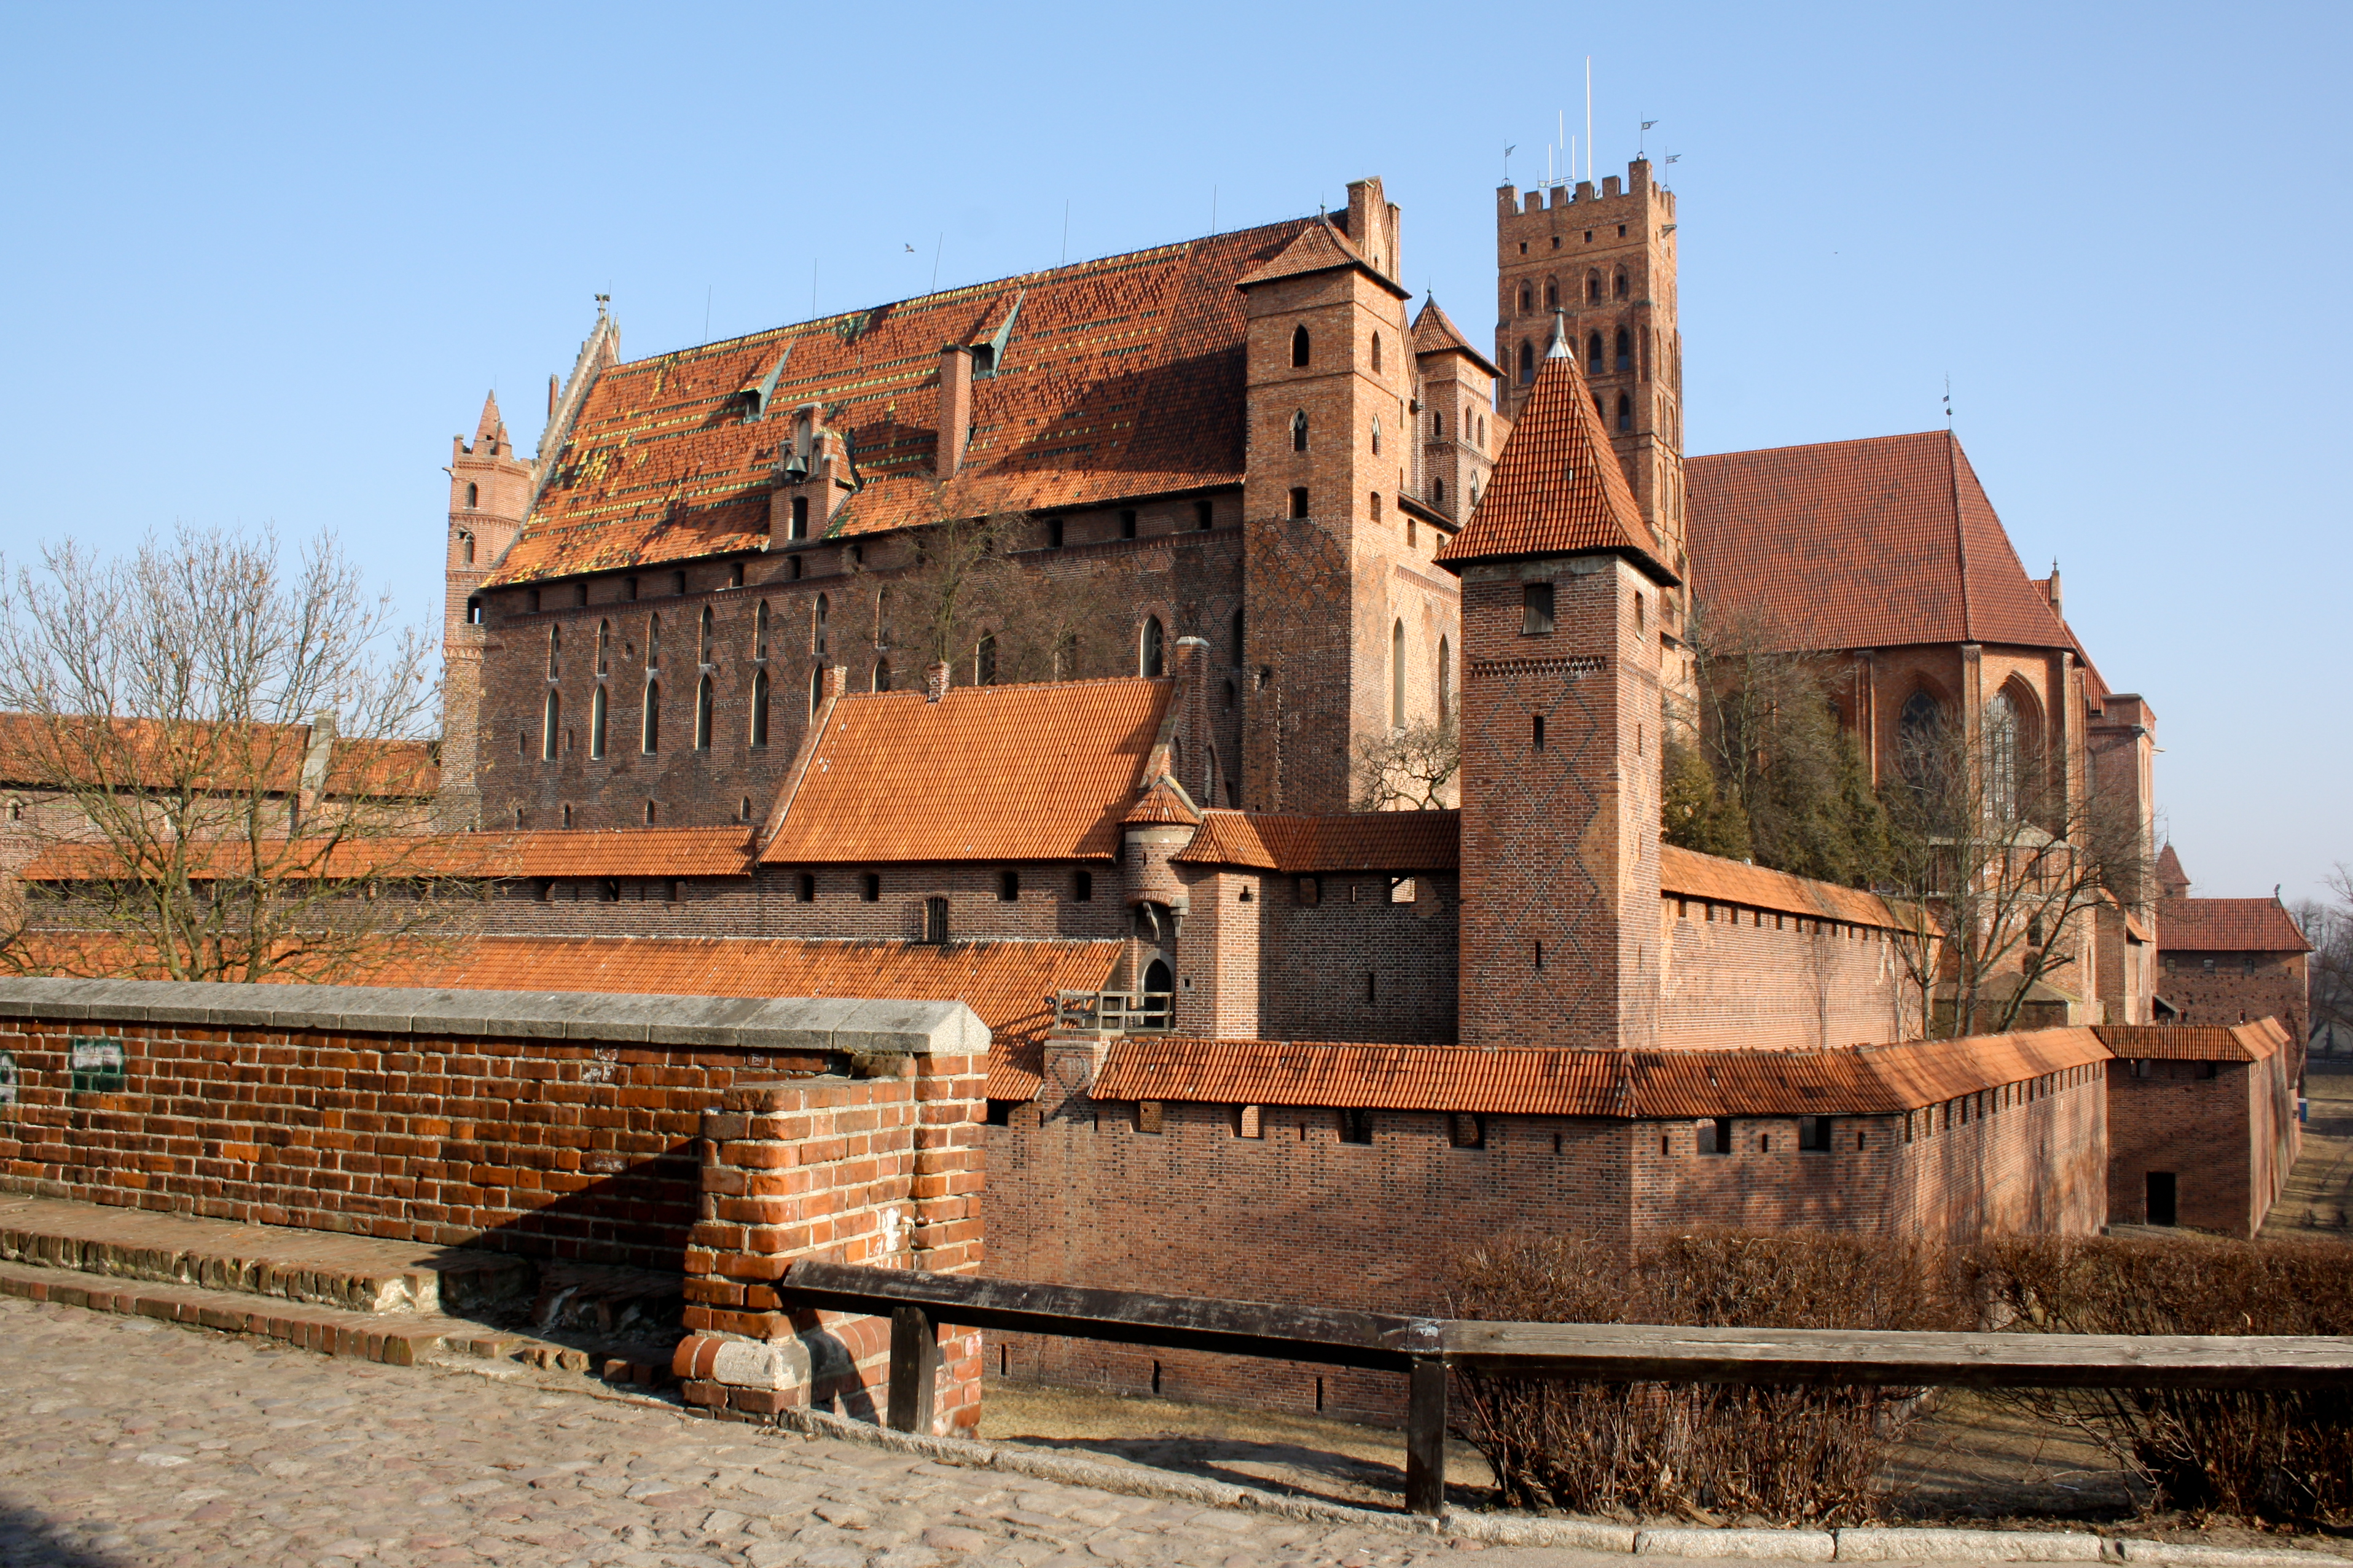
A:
x: 712, y: 696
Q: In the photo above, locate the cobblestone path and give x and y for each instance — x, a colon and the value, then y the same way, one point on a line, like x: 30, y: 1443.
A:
x: 127, y: 1441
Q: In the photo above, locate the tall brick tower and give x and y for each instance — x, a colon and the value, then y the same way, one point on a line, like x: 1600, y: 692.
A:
x: 1605, y: 260
x: 1561, y: 583
x: 490, y: 490
x: 1330, y: 371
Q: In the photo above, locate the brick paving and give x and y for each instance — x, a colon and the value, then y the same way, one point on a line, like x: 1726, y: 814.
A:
x: 125, y: 1441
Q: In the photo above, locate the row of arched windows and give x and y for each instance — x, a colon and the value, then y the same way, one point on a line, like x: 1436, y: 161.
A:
x: 1617, y: 288
x: 1445, y: 682
x: 1302, y: 349
x: 1620, y: 357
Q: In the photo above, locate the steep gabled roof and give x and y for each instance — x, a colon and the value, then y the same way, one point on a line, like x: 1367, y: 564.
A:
x: 1122, y: 377
x: 1319, y: 247
x: 1434, y: 332
x: 1556, y: 488
x: 987, y: 772
x: 1853, y: 544
x: 2227, y: 925
x: 2169, y: 874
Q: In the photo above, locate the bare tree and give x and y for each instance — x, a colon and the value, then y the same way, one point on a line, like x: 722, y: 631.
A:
x: 1997, y: 866
x: 966, y: 601
x: 230, y: 763
x: 2329, y: 928
x: 1408, y: 769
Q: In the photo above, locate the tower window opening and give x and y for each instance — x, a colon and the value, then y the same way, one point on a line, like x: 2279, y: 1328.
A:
x: 1235, y: 630
x: 702, y: 636
x: 1551, y: 294
x: 1377, y: 353
x: 1299, y: 431
x: 1300, y: 350
x: 1536, y: 609
x: 984, y: 662
x: 759, y: 736
x: 474, y: 611
x: 1625, y: 350
x: 1397, y: 675
x: 473, y: 498
x: 1527, y: 362
x: 702, y: 703
x: 818, y: 615
x: 678, y: 582
x: 1536, y: 741
x: 1151, y: 654
x: 466, y: 541
x: 1377, y: 435
x: 800, y: 517
x: 1445, y: 682
x: 547, y: 740
x: 650, y: 732
x: 603, y: 648
x: 1625, y: 412
x: 1527, y: 300
x: 1438, y: 493
x: 530, y: 601
x: 596, y: 724
x: 1298, y: 500
x: 1592, y: 285
x: 760, y: 630
x: 1376, y: 506
x: 881, y: 675
x: 1619, y: 286
x: 1437, y: 424
x: 1593, y: 354
x: 1127, y: 522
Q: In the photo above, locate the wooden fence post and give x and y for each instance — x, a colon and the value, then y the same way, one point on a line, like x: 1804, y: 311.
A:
x: 1425, y: 1440
x: 914, y: 1368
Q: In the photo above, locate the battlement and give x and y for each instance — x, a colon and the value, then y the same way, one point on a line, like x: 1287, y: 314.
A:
x: 1612, y: 201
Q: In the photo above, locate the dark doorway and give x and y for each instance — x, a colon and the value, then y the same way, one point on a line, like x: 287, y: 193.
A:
x: 2160, y: 1197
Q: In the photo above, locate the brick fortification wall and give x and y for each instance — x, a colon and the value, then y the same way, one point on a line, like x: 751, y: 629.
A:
x: 563, y: 1130
x: 2225, y: 1131
x: 2226, y: 988
x: 1082, y: 1195
x: 1736, y: 979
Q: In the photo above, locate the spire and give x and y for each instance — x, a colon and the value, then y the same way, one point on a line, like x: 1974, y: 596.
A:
x: 1559, y: 347
x: 489, y: 425
x: 1558, y: 488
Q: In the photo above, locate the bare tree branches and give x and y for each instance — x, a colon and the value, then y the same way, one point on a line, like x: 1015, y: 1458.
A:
x: 226, y: 760
x: 1408, y: 769
x: 965, y: 602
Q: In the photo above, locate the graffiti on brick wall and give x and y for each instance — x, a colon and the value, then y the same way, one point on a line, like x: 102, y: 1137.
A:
x: 96, y: 1065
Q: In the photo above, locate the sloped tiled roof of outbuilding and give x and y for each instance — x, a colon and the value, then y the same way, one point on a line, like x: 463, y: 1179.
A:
x: 1353, y: 841
x: 2255, y: 1042
x: 2227, y: 925
x: 1121, y: 377
x: 722, y: 851
x: 40, y: 752
x: 1557, y: 487
x: 1038, y: 772
x: 1853, y: 544
x: 1861, y: 1080
x: 1685, y: 873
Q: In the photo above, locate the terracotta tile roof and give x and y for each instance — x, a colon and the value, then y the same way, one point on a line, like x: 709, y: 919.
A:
x: 1351, y: 841
x: 1165, y: 800
x: 1686, y: 873
x: 1851, y: 545
x: 1434, y: 332
x: 229, y: 758
x: 1557, y: 487
x: 2254, y: 1042
x: 1318, y: 248
x: 990, y: 773
x: 1123, y: 377
x: 2170, y: 873
x: 1862, y: 1081
x: 2227, y: 925
x: 724, y: 851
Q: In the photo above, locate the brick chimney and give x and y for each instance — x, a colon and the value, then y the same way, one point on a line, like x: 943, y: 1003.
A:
x: 956, y: 406
x: 935, y: 681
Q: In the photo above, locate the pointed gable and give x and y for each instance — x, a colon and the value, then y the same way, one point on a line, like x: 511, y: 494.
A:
x: 2170, y: 877
x: 1165, y: 802
x: 1875, y: 543
x: 489, y: 427
x: 1556, y: 488
x: 1319, y: 247
x: 1434, y: 332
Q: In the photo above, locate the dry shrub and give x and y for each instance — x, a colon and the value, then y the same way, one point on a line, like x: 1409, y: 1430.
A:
x: 2286, y: 1455
x: 1789, y: 1455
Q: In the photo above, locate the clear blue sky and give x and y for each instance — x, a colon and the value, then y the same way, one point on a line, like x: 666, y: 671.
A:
x: 263, y: 263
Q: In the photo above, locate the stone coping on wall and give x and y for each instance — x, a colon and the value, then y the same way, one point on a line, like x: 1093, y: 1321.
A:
x: 846, y: 1025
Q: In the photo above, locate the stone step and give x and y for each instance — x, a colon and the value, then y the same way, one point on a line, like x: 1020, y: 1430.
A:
x: 352, y: 1273
x: 397, y: 1339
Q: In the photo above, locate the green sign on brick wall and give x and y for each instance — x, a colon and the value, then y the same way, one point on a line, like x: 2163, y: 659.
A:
x: 96, y: 1064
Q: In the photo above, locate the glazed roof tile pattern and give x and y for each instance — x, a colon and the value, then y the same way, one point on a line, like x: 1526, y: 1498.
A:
x: 1557, y: 487
x: 991, y: 773
x: 724, y: 851
x: 1395, y: 841
x: 1868, y: 1080
x: 1685, y: 873
x: 1853, y: 544
x: 1434, y: 332
x: 1122, y: 377
x: 2255, y: 1042
x: 2227, y: 925
x: 1318, y: 248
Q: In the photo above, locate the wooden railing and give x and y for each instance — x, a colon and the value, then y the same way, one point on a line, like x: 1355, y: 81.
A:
x: 1112, y: 1012
x: 1424, y: 1349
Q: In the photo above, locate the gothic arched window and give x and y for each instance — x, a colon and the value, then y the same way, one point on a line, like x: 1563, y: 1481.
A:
x: 817, y: 689
x: 1437, y: 424
x: 703, y: 714
x: 603, y: 646
x: 1527, y: 300
x: 1620, y: 286
x: 649, y: 727
x: 1377, y: 353
x: 1625, y: 412
x: 817, y: 625
x: 1919, y: 735
x: 1299, y: 431
x: 473, y: 498
x: 596, y: 724
x: 984, y: 662
x: 1397, y: 675
x: 1552, y: 295
x: 2001, y: 758
x: 550, y: 721
x: 555, y: 649
x: 1625, y: 350
x: 1527, y: 363
x: 760, y: 709
x: 1151, y: 656
x: 1298, y: 348
x: 760, y: 631
x: 702, y: 638
x: 1593, y: 287
x: 1377, y: 435
x: 1438, y: 492
x: 1593, y: 354
x: 1445, y: 682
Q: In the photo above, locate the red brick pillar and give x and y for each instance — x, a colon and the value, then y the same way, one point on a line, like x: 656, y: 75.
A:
x: 883, y: 1171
